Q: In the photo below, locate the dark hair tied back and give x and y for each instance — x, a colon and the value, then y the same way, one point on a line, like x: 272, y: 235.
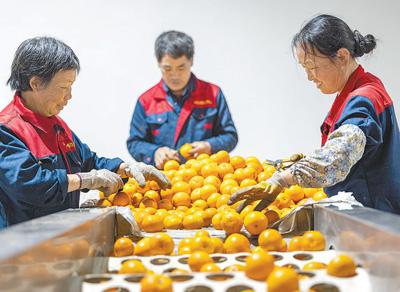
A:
x: 363, y: 44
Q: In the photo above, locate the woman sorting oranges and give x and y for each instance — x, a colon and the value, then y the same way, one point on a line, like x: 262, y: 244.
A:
x: 43, y: 164
x: 360, y: 149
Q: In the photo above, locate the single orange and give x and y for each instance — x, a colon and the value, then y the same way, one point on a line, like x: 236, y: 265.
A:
x: 212, y: 180
x: 217, y: 244
x: 152, y: 195
x: 152, y: 223
x: 202, y: 243
x: 224, y: 169
x: 165, y: 204
x: 341, y: 266
x: 250, y: 172
x: 239, y: 174
x: 156, y: 283
x: 295, y: 193
x: 188, y: 174
x: 222, y: 156
x: 208, y: 215
x: 147, y: 202
x: 270, y: 240
x: 181, y: 186
x: 129, y: 188
x: 197, y: 259
x: 200, y: 204
x: 237, y: 162
x: 193, y: 221
x: 132, y: 267
x: 123, y: 247
x: 104, y: 203
x: 231, y: 222
x: 185, y: 149
x: 259, y: 265
x: 181, y: 199
x: 162, y: 244
x: 255, y: 222
x: 313, y: 241
x: 121, y: 199
x: 172, y: 222
x: 209, y: 169
x: 247, y: 182
x: 216, y: 221
x: 171, y: 165
x: 196, y: 182
x: 295, y: 243
x: 144, y: 247
x: 236, y: 243
x: 283, y: 279
x: 196, y: 194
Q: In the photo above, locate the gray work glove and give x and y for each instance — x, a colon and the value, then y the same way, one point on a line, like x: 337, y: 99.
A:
x: 142, y: 172
x: 103, y: 180
x: 266, y: 191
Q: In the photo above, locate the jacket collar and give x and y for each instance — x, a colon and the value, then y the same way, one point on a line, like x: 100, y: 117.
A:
x: 351, y: 84
x: 163, y: 90
x: 45, y: 124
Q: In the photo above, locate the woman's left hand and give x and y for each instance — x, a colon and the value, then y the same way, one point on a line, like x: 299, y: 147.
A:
x: 142, y: 172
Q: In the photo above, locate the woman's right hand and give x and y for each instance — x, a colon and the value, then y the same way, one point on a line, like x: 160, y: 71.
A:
x: 103, y: 180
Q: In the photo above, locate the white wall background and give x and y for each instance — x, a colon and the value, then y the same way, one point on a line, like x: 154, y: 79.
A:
x: 241, y: 45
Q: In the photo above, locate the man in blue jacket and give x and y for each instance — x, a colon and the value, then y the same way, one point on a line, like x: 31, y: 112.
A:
x: 43, y: 164
x: 179, y: 109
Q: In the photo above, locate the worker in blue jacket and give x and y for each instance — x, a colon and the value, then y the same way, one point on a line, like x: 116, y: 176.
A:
x: 360, y: 149
x: 179, y: 109
x: 43, y: 164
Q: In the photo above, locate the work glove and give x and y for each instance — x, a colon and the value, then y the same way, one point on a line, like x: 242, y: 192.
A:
x: 103, y: 180
x: 266, y: 191
x: 142, y: 172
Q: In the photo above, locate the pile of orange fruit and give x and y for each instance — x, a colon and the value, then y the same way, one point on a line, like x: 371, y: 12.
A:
x: 200, y: 190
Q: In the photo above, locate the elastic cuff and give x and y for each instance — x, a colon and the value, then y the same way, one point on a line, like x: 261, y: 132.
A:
x: 80, y: 180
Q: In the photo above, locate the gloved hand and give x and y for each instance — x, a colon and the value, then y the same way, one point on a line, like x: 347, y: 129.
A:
x: 142, y: 172
x: 266, y: 191
x: 103, y: 180
x: 163, y: 154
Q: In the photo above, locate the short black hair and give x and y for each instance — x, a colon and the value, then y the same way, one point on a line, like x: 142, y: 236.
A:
x: 42, y: 57
x: 327, y: 34
x: 174, y: 43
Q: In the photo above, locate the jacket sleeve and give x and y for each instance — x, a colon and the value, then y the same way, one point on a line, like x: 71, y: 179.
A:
x: 90, y: 160
x: 356, y: 133
x: 140, y: 137
x: 331, y: 163
x: 23, y: 178
x: 225, y: 134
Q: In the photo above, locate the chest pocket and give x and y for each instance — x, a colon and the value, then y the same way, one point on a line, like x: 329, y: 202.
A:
x: 204, y: 119
x: 159, y: 128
